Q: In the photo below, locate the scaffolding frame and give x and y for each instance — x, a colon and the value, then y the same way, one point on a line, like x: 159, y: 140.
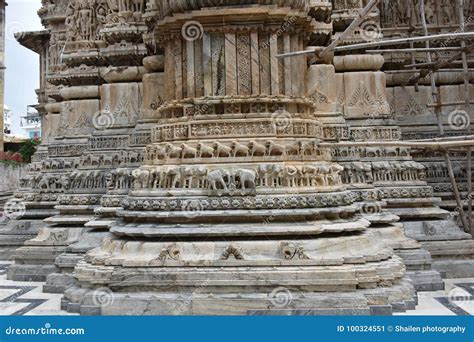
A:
x: 421, y: 70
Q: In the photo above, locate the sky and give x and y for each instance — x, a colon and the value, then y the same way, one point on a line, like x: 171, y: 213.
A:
x: 22, y: 74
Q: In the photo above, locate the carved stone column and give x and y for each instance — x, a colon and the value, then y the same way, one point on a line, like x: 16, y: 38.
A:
x: 235, y: 199
x: 382, y: 175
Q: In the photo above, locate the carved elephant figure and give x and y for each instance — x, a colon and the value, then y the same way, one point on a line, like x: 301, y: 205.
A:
x: 218, y: 178
x: 404, y: 152
x: 257, y: 149
x: 357, y: 172
x: 382, y: 171
x: 141, y: 178
x: 275, y: 149
x: 372, y: 152
x: 277, y: 175
x: 45, y: 183
x: 222, y: 150
x: 174, y: 151
x: 391, y: 152
x: 292, y: 175
x: 240, y: 150
x: 323, y: 172
x: 185, y: 177
x: 161, y: 152
x: 397, y: 170
x: 46, y: 164
x: 188, y: 151
x: 264, y: 173
x: 93, y: 160
x: 65, y: 182
x: 55, y: 165
x: 200, y: 174
x: 205, y: 151
x: 107, y: 160
x: 247, y: 178
x: 133, y: 157
x: 171, y: 177
x: 309, y: 172
x: 123, y: 178
x: 68, y: 164
x: 293, y: 149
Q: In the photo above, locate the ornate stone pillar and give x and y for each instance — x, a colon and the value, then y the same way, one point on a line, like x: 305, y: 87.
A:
x: 382, y: 175
x: 235, y: 199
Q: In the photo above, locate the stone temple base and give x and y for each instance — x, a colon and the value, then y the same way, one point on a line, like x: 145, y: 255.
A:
x: 59, y: 281
x: 333, y: 294
x: 452, y: 249
x: 322, y: 274
x: 418, y: 261
x: 36, y: 259
x: 14, y: 234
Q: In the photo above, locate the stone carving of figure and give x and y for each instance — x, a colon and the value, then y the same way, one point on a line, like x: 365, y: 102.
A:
x: 85, y: 18
x: 447, y: 12
x: 101, y: 20
x: 71, y: 24
x: 388, y: 12
x: 429, y: 12
x: 54, y: 50
x: 401, y: 12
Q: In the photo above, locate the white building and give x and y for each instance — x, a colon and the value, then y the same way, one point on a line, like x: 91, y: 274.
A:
x: 7, y: 121
x: 31, y: 124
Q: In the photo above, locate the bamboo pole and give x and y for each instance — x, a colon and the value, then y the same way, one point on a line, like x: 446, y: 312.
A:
x: 361, y: 16
x: 459, y: 103
x: 437, y: 99
x: 435, y: 66
x: 398, y: 41
x: 423, y: 70
x: 467, y: 101
x: 412, y: 45
x: 410, y: 50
